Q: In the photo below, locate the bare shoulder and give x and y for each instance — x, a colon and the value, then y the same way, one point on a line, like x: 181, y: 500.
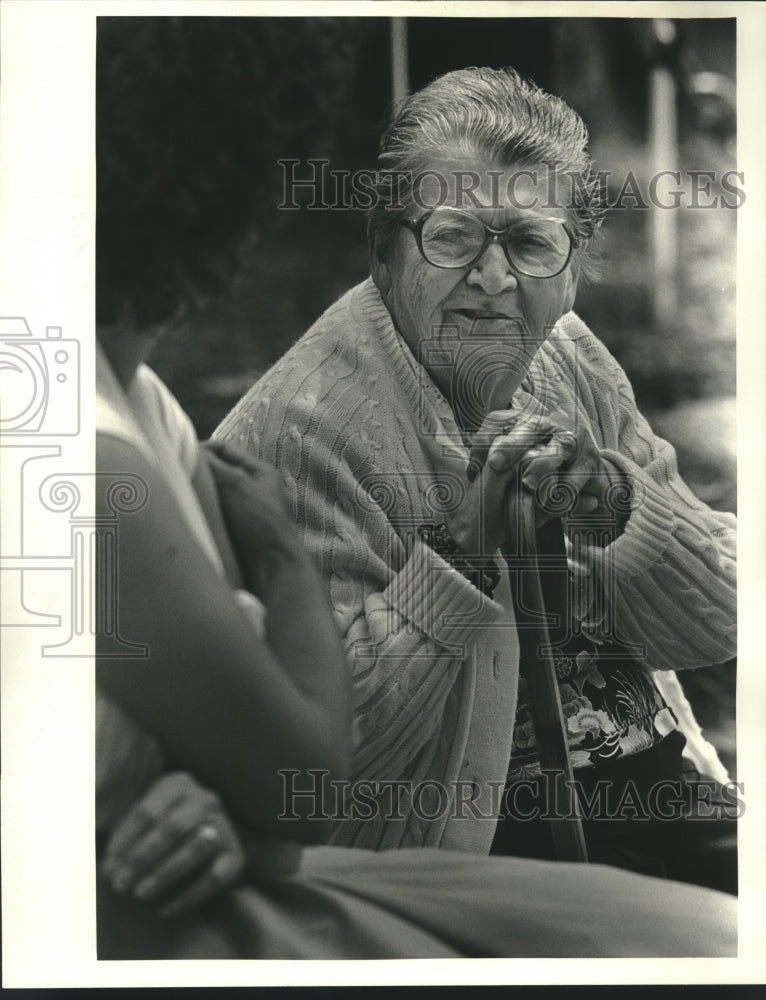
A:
x: 131, y: 487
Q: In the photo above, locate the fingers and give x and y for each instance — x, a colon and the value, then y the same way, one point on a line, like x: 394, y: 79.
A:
x: 161, y: 799
x: 178, y: 832
x: 532, y: 426
x: 190, y: 853
x: 566, y: 491
x: 210, y: 860
x: 223, y: 873
x: 561, y: 468
x: 587, y: 503
x: 533, y: 441
x: 244, y: 480
x: 526, y: 410
x: 172, y: 844
x: 227, y: 454
x: 559, y: 456
x: 494, y: 426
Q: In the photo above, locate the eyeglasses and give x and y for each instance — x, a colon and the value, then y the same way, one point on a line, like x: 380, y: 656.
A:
x: 450, y: 238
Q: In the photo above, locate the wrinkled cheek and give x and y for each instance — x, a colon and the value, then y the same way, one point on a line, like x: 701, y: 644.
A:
x: 420, y: 304
x: 542, y: 312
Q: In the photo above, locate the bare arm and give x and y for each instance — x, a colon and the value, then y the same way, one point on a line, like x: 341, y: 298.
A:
x: 222, y: 702
x: 277, y: 568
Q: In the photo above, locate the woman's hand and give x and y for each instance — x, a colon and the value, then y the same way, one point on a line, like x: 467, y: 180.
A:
x: 562, y: 467
x: 254, y: 509
x: 176, y: 847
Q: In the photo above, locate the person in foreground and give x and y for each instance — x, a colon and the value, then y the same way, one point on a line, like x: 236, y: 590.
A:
x: 240, y: 671
x: 401, y: 422
x: 233, y: 693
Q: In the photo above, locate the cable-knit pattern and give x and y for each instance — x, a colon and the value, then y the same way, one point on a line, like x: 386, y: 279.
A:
x: 360, y: 433
x: 672, y: 572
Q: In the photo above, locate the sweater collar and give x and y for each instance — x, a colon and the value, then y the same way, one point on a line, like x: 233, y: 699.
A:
x: 435, y: 416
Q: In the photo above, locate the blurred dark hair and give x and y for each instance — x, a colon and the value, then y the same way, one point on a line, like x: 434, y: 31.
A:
x: 192, y: 114
x: 496, y: 114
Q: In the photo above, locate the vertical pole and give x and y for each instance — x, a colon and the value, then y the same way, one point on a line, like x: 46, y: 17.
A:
x: 663, y: 143
x: 400, y: 73
x: 537, y: 668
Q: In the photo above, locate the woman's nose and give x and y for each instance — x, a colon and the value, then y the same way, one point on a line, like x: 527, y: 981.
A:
x: 492, y: 272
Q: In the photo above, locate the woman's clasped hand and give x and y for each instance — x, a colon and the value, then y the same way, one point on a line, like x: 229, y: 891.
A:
x: 557, y: 462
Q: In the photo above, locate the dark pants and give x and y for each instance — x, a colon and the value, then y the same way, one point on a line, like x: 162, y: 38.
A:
x: 650, y: 813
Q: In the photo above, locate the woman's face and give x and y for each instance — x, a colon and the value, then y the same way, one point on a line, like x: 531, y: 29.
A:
x: 476, y: 328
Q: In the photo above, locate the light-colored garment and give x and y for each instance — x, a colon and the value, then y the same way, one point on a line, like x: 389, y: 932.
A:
x: 369, y: 450
x: 355, y: 904
x: 348, y: 903
x: 149, y: 418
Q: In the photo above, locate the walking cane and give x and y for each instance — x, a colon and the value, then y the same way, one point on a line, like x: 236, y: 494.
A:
x: 537, y: 665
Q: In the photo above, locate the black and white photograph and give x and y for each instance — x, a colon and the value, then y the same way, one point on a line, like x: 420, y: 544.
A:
x: 374, y: 381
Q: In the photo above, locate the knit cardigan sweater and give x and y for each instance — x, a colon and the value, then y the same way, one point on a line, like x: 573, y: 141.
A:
x: 369, y: 450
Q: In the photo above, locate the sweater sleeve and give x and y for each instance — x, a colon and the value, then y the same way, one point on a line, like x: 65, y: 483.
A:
x: 408, y: 619
x: 670, y: 577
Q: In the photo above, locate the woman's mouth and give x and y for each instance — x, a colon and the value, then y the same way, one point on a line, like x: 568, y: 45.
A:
x: 488, y: 320
x: 474, y: 314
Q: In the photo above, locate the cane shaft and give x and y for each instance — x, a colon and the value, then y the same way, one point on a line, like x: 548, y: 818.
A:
x: 538, y: 670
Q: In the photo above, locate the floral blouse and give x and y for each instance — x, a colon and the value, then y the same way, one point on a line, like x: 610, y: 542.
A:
x: 610, y: 703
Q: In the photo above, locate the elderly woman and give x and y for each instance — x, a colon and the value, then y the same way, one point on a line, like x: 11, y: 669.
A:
x: 400, y: 423
x: 196, y: 732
